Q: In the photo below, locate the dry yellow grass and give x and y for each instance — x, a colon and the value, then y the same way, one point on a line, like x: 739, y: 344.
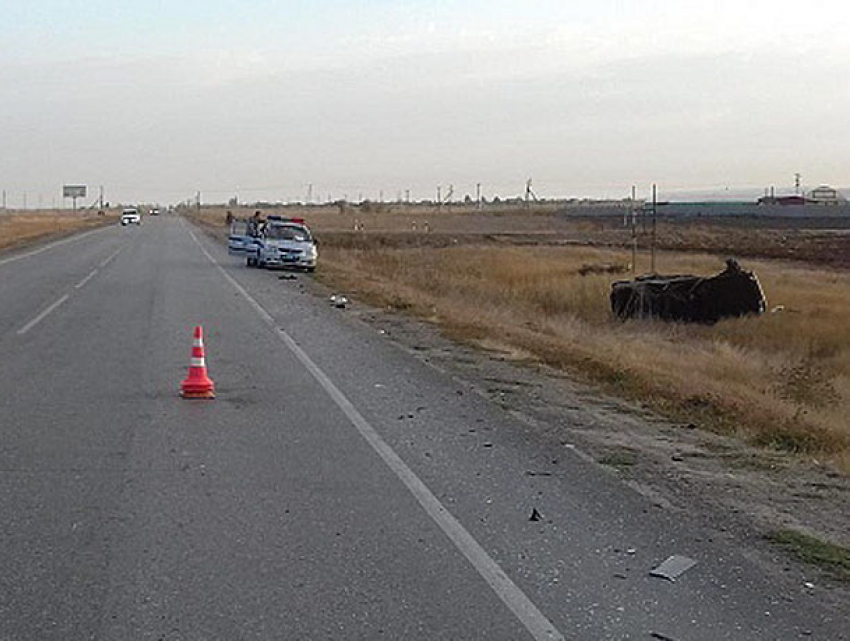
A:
x: 780, y: 380
x: 20, y: 229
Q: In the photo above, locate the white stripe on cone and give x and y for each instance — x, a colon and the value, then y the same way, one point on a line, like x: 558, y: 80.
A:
x: 198, y: 362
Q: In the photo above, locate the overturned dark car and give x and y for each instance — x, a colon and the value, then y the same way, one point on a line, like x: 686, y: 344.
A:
x: 691, y: 299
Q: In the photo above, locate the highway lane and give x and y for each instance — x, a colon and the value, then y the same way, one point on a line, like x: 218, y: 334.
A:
x: 32, y: 280
x: 131, y: 513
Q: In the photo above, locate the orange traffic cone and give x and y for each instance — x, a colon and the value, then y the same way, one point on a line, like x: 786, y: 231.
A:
x: 198, y: 384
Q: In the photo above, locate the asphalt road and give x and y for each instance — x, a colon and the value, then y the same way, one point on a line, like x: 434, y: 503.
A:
x: 337, y: 488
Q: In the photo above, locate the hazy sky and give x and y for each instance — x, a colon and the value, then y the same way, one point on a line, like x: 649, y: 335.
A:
x: 158, y: 99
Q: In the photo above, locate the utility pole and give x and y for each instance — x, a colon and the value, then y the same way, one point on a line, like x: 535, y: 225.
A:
x: 634, y: 234
x: 439, y: 198
x: 310, y: 194
x: 198, y: 200
x: 100, y: 199
x: 654, y: 223
x: 797, y: 178
x: 4, y: 199
x: 478, y: 195
x: 25, y: 200
x: 529, y: 193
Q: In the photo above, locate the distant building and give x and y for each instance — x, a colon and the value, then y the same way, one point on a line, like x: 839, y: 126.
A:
x: 825, y: 195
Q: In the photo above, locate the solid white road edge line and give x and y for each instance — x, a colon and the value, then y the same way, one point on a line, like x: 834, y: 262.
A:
x: 12, y: 259
x: 35, y: 321
x: 86, y: 279
x: 511, y: 595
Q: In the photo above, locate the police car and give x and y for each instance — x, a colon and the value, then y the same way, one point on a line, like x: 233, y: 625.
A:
x: 284, y: 242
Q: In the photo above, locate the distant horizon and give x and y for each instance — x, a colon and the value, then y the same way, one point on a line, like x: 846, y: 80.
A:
x: 732, y: 195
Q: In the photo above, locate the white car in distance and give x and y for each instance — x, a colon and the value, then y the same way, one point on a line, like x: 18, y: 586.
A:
x: 131, y: 216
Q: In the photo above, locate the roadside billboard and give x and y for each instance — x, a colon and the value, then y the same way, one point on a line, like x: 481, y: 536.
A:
x: 74, y: 191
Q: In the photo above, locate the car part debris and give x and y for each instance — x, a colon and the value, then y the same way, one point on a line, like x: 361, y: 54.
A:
x: 589, y: 268
x: 692, y: 299
x: 535, y: 515
x: 673, y: 567
x: 661, y: 637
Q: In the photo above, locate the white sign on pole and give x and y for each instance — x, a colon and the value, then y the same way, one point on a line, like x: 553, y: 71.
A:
x: 74, y: 191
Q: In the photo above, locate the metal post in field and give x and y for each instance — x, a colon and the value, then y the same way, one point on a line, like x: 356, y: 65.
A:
x: 634, y: 234
x: 478, y: 195
x: 654, y: 224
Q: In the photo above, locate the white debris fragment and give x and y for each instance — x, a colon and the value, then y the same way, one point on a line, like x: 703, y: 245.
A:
x: 673, y: 567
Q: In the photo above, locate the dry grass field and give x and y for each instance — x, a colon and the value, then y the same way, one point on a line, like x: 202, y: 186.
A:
x: 23, y: 228
x: 781, y: 380
x: 394, y: 225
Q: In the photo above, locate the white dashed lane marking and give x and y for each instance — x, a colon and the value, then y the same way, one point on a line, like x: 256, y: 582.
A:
x: 35, y: 321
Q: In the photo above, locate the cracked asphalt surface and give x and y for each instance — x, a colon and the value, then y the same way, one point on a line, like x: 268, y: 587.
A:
x: 130, y: 513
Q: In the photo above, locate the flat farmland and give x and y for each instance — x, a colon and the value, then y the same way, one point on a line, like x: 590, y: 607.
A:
x: 19, y: 229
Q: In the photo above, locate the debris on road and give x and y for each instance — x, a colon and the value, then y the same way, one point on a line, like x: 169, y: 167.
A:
x: 535, y: 515
x: 661, y: 637
x: 693, y: 299
x: 673, y: 567
x: 339, y: 301
x: 287, y: 277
